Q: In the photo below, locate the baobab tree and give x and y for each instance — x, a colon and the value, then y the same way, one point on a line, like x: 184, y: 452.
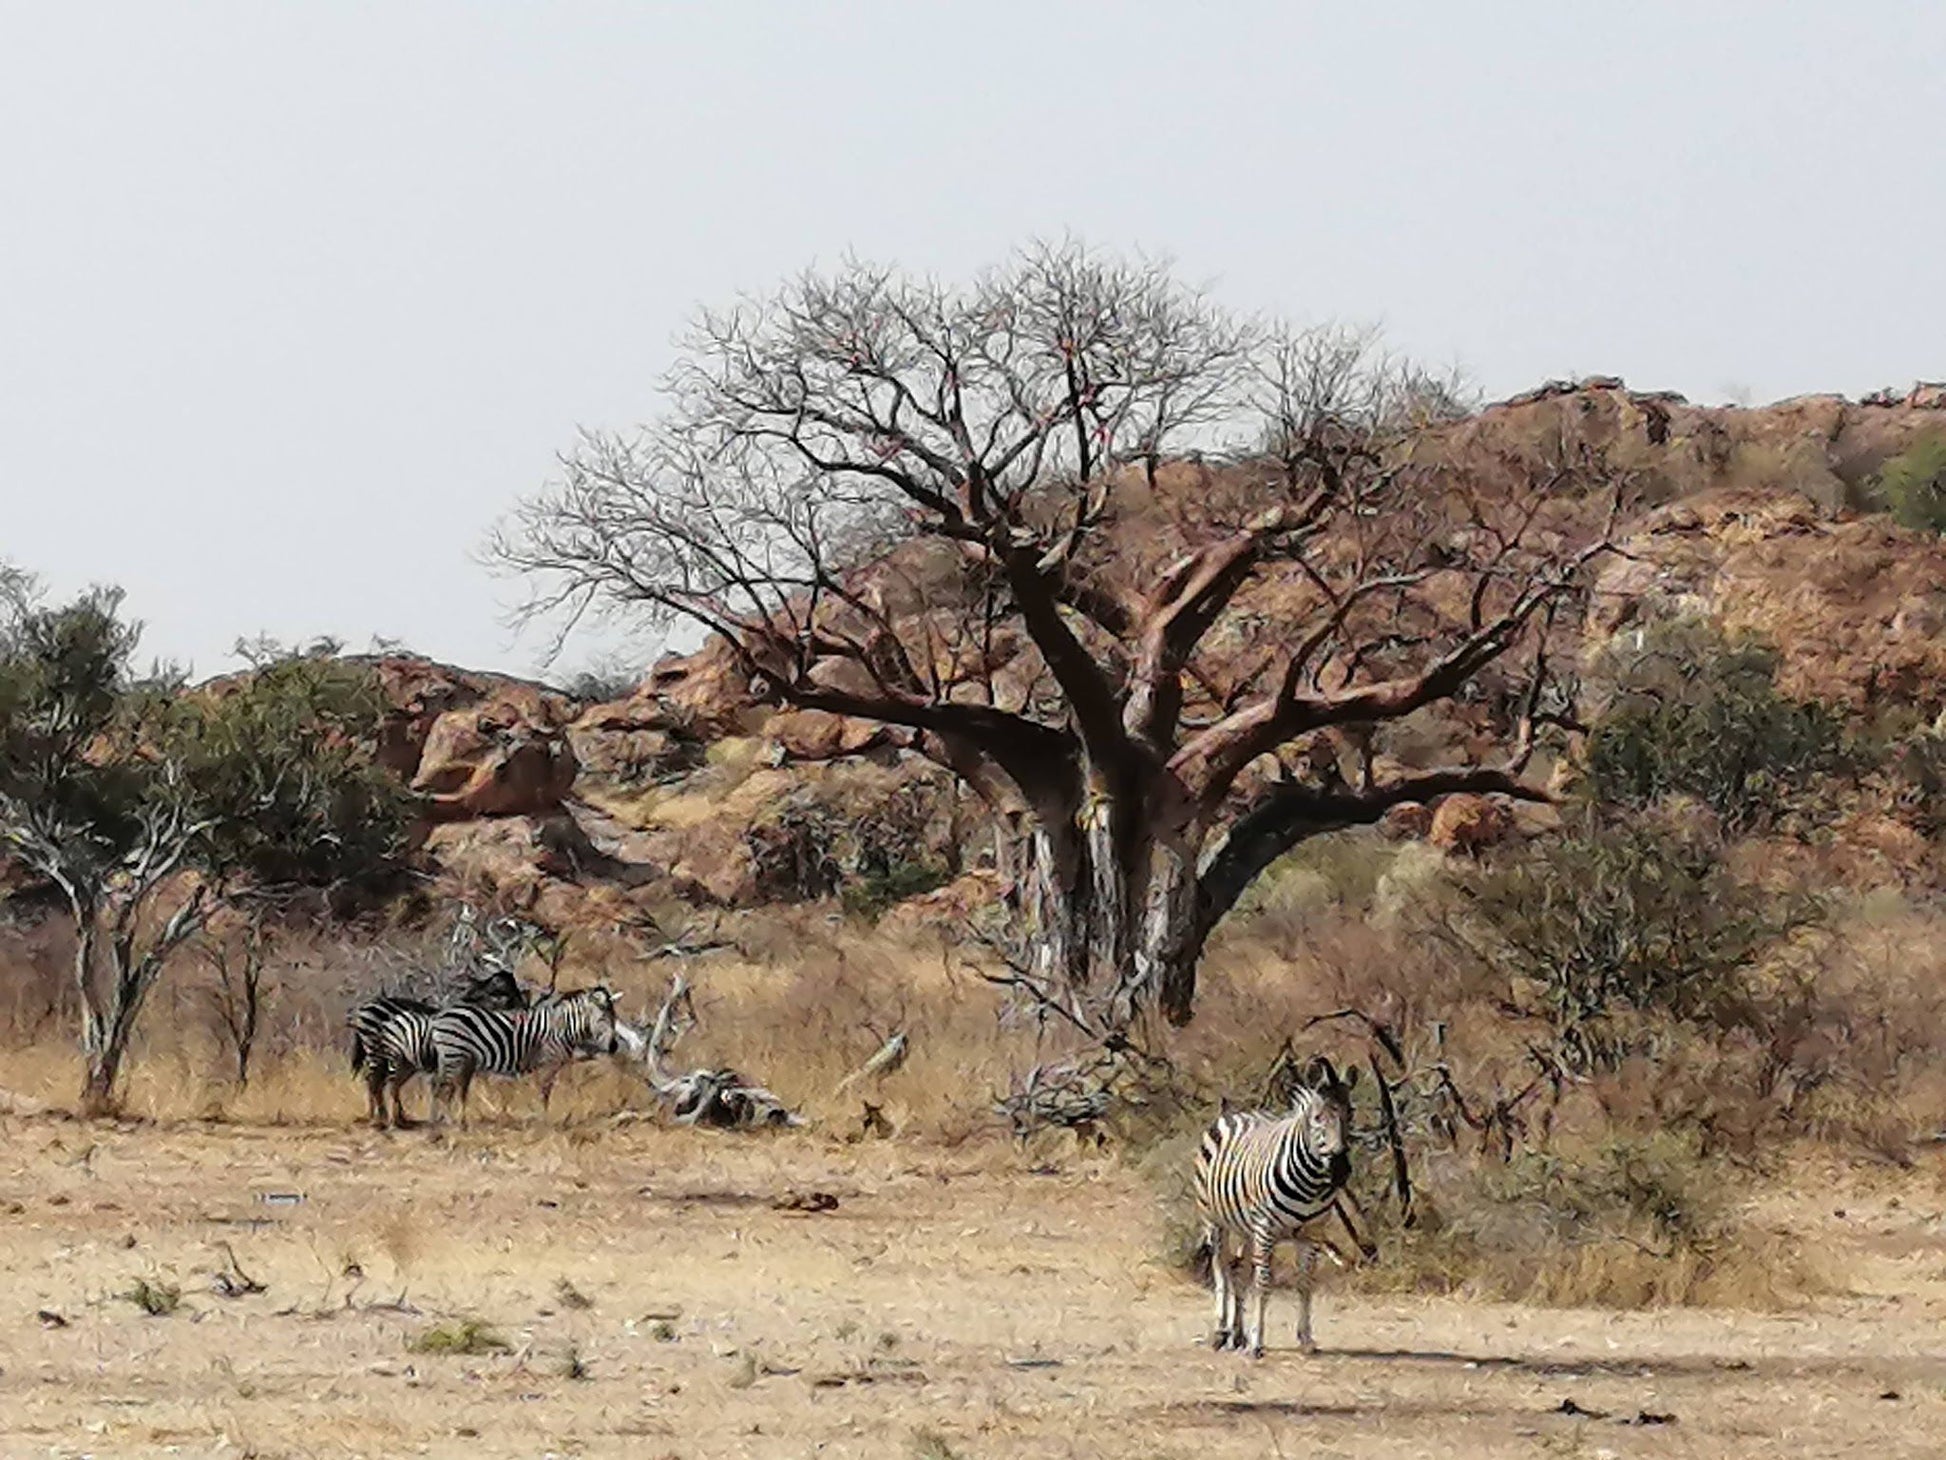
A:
x: 964, y: 512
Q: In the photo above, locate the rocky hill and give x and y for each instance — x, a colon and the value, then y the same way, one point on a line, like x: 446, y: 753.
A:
x: 690, y: 791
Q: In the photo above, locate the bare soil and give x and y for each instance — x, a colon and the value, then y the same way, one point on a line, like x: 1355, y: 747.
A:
x: 657, y: 1300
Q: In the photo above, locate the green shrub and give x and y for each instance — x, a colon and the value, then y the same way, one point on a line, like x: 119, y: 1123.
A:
x: 1632, y: 918
x: 1623, y: 1223
x: 870, y: 838
x: 1912, y: 485
x: 1696, y: 714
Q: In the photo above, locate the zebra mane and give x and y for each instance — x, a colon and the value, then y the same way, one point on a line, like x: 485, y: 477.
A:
x: 594, y: 994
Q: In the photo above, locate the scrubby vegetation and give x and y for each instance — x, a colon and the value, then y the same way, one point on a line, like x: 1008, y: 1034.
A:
x: 1912, y: 485
x: 460, y: 1337
x: 151, y: 809
x: 1694, y: 714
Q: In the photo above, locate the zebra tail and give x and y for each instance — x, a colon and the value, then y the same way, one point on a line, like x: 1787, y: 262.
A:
x: 358, y: 1050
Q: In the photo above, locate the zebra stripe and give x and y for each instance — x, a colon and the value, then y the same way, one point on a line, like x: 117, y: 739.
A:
x: 507, y: 1043
x: 391, y: 1038
x: 1259, y: 1179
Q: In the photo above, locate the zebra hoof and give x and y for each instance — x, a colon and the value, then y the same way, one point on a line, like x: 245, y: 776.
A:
x: 1256, y: 1350
x: 1221, y: 1339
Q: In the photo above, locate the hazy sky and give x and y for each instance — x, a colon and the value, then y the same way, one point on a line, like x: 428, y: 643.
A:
x: 295, y: 299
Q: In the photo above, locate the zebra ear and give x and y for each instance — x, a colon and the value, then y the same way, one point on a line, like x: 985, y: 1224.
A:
x: 1319, y: 1073
x: 1351, y: 1078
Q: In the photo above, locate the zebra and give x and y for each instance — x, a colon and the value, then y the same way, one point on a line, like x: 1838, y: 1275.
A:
x: 556, y: 1030
x: 1259, y: 1178
x: 391, y: 1038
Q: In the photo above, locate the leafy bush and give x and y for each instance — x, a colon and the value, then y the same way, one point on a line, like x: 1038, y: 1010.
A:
x: 1912, y: 485
x: 113, y: 783
x: 1696, y: 714
x: 1637, y: 917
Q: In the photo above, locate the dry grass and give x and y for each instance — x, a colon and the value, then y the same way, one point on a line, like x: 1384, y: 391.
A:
x: 992, y: 1303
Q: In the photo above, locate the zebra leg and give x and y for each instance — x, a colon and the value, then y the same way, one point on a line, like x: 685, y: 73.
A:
x: 1235, y: 1318
x: 1261, y: 1246
x: 548, y: 1076
x: 464, y: 1088
x: 375, y: 1075
x: 400, y: 1119
x: 1222, y: 1335
x: 1307, y: 1266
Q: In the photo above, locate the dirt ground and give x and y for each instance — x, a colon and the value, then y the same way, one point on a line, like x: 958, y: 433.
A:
x: 657, y: 1302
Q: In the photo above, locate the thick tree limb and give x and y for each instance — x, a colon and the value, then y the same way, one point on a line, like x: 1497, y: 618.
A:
x: 1290, y: 813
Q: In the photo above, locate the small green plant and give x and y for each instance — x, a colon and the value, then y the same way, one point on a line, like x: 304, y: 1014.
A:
x: 154, y: 1297
x: 1912, y: 485
x: 459, y: 1336
x: 573, y: 1366
x: 879, y: 887
x: 662, y: 1331
x: 929, y: 1444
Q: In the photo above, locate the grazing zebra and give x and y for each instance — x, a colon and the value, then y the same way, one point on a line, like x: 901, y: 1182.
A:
x: 558, y: 1029
x: 391, y: 1038
x: 1259, y: 1179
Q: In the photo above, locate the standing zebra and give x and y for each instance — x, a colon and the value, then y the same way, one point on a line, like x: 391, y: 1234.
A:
x: 558, y: 1029
x: 391, y: 1038
x: 1259, y: 1178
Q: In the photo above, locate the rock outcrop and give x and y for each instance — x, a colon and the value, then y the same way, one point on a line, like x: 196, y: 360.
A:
x: 491, y: 762
x: 1753, y: 517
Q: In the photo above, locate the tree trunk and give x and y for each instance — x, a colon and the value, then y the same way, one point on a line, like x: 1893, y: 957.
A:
x: 109, y: 1021
x: 1126, y: 919
x: 100, y: 1086
x: 1172, y: 934
x: 1106, y: 905
x: 245, y: 1033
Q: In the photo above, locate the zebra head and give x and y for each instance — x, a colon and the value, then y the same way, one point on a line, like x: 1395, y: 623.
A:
x: 1323, y: 1101
x: 586, y: 1020
x: 493, y: 988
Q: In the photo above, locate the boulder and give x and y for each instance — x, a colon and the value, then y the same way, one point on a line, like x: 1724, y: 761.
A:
x: 492, y: 761
x: 421, y: 691
x: 633, y: 742
x: 1467, y: 824
x: 708, y: 691
x: 1407, y: 821
x: 819, y: 735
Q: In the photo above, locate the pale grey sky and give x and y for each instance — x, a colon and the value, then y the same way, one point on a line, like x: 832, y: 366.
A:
x: 295, y: 299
